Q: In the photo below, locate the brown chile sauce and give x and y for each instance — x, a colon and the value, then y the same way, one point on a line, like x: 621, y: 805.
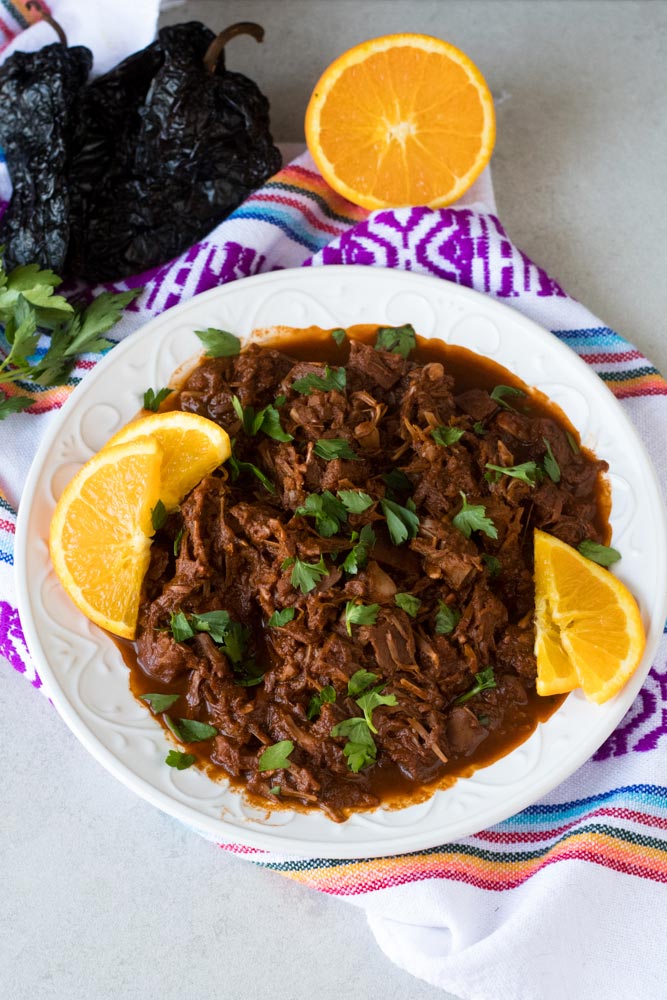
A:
x: 469, y: 371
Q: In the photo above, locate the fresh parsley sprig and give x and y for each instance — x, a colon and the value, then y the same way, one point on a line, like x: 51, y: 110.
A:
x: 331, y: 448
x: 219, y: 343
x: 360, y: 614
x: 408, y: 603
x: 446, y: 436
x: 276, y: 757
x: 326, y: 695
x: 446, y: 619
x: 472, y: 517
x: 402, y: 522
x: 333, y: 378
x: 306, y: 576
x: 360, y: 748
x: 527, y: 472
x: 153, y: 399
x: 357, y: 557
x: 603, y: 555
x: 327, y: 512
x: 396, y: 339
x: 266, y: 420
x: 501, y: 392
x: 484, y: 680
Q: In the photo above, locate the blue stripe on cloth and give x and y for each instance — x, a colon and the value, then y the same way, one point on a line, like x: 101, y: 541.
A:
x: 6, y: 557
x: 601, y: 336
x: 285, y: 221
x: 654, y: 795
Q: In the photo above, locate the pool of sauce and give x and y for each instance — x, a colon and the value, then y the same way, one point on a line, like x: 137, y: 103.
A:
x: 469, y: 371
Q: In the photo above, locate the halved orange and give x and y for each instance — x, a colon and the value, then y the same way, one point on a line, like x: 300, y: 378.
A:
x: 588, y: 629
x: 101, y: 532
x: 192, y: 447
x: 401, y: 120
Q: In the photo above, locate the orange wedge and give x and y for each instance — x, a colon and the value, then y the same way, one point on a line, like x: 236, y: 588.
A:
x: 588, y: 629
x: 401, y: 120
x: 192, y: 447
x: 101, y: 533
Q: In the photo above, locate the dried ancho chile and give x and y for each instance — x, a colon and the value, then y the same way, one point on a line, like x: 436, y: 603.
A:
x: 166, y: 146
x: 38, y: 92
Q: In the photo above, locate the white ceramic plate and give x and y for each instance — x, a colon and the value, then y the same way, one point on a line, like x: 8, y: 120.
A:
x: 85, y: 674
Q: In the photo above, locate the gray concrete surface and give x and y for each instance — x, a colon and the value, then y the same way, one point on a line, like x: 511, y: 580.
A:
x: 103, y: 896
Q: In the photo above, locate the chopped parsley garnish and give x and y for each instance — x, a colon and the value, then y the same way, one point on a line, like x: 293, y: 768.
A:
x: 360, y: 614
x: 153, y: 399
x: 230, y: 636
x: 160, y: 702
x: 396, y: 481
x: 280, y: 618
x: 408, y: 603
x: 236, y: 467
x: 339, y: 336
x: 179, y: 760
x: 158, y: 515
x: 446, y: 619
x: 483, y: 682
x: 572, y: 441
x: 333, y: 378
x: 219, y: 343
x: 275, y: 790
x: 328, y: 512
x: 359, y: 681
x: 603, y: 555
x: 472, y: 517
x: 551, y: 466
x: 479, y: 428
x: 326, y: 695
x: 396, y: 339
x: 527, y: 472
x: 177, y: 541
x: 446, y: 436
x: 266, y: 420
x: 355, y: 501
x: 191, y: 731
x: 330, y: 448
x: 500, y: 393
x: 360, y: 748
x: 276, y: 756
x: 306, y: 576
x: 492, y: 563
x: 358, y: 554
x: 372, y: 700
x: 402, y: 522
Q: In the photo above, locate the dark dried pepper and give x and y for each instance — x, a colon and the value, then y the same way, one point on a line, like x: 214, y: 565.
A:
x: 167, y: 145
x: 38, y: 91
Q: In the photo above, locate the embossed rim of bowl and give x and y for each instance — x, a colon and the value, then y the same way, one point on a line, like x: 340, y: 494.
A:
x: 78, y: 662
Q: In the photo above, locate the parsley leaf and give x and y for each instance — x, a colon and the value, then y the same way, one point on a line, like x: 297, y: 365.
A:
x: 446, y: 619
x: 492, y: 563
x: 328, y: 512
x: 275, y: 790
x: 447, y: 435
x: 306, y: 576
x: 152, y: 399
x: 396, y: 339
x: 330, y: 448
x: 527, y: 472
x: 396, y: 481
x: 158, y: 515
x: 402, y: 522
x: 160, y: 702
x: 360, y: 749
x: 359, y: 681
x: 276, y: 756
x: 180, y: 627
x: 179, y: 760
x: 237, y: 467
x: 266, y: 420
x: 603, y: 555
x: 194, y: 732
x: 408, y: 603
x: 355, y: 501
x: 219, y: 343
x: 177, y: 540
x: 551, y: 466
x: 479, y: 428
x: 358, y: 554
x: 216, y: 623
x: 472, y: 517
x: 327, y: 694
x: 372, y: 700
x: 280, y: 618
x: 13, y: 404
x: 339, y: 336
x: 501, y: 391
x: 333, y: 378
x: 572, y: 441
x: 483, y: 682
x: 360, y: 614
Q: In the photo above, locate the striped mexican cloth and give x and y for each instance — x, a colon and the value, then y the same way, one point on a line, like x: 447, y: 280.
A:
x: 597, y: 846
